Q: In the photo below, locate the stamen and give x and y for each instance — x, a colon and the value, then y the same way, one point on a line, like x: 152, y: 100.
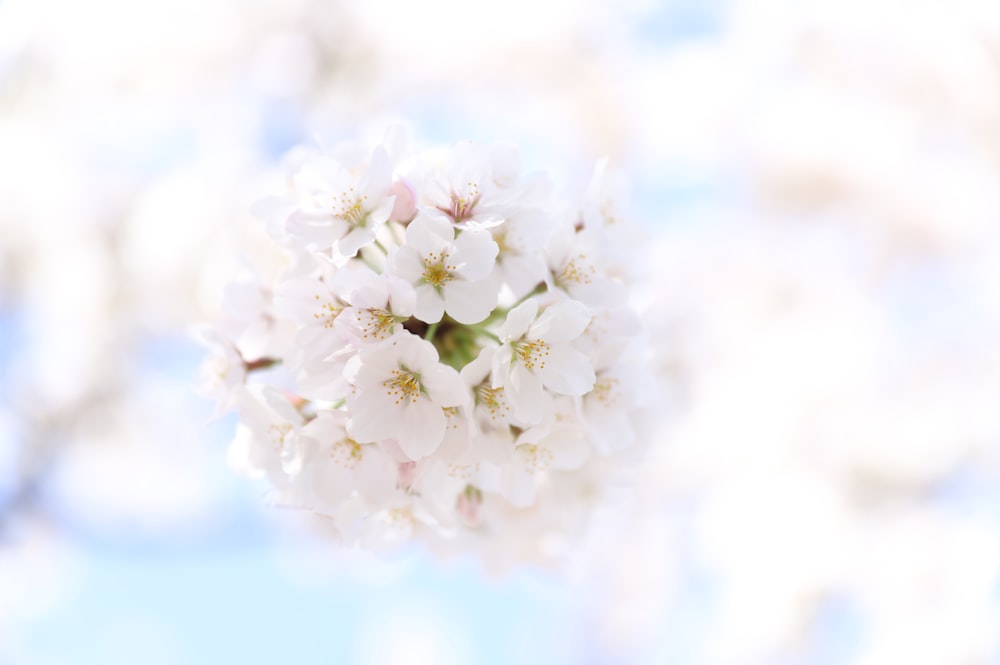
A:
x: 328, y: 311
x: 536, y: 458
x: 531, y: 353
x: 279, y: 434
x: 436, y: 271
x: 492, y: 399
x: 576, y: 273
x: 347, y: 453
x: 375, y: 323
x: 402, y: 386
x: 606, y: 391
x: 348, y: 207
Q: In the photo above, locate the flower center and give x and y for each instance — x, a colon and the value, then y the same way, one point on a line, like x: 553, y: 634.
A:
x: 576, y: 271
x: 328, y: 311
x: 463, y: 206
x: 536, y: 458
x: 348, y: 207
x: 531, y: 353
x: 346, y: 452
x: 437, y: 272
x: 279, y: 434
x: 492, y: 399
x: 375, y: 323
x: 606, y: 391
x: 403, y: 386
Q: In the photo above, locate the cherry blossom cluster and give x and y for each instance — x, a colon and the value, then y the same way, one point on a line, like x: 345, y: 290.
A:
x: 450, y: 353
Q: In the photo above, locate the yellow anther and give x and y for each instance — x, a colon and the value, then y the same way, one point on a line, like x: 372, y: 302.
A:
x: 347, y: 453
x: 531, y: 353
x: 437, y: 272
x: 492, y: 399
x: 402, y: 386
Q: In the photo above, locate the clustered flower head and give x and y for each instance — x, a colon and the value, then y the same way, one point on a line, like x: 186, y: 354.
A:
x: 451, y: 353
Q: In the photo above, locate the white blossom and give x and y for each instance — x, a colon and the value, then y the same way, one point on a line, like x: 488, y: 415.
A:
x: 401, y: 391
x: 450, y: 273
x: 537, y: 354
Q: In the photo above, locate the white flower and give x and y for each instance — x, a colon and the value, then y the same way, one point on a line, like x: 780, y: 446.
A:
x: 401, y: 393
x: 466, y: 190
x: 273, y: 424
x: 450, y: 274
x: 556, y: 445
x: 338, y: 209
x: 577, y: 268
x: 222, y: 374
x: 537, y: 353
x: 379, y: 305
x: 335, y: 466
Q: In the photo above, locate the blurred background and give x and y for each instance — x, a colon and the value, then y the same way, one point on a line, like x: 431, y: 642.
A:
x: 820, y: 178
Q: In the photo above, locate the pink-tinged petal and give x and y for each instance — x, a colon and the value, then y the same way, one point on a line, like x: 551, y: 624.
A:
x: 523, y: 391
x: 404, y: 207
x: 421, y: 429
x: 470, y: 302
x: 430, y: 304
x: 374, y: 417
x: 567, y: 371
x: 519, y: 319
x: 475, y: 252
x: 561, y: 322
x: 444, y: 385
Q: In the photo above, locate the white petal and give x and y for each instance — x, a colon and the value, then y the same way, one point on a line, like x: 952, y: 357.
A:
x: 476, y: 371
x: 475, y: 252
x: 378, y: 177
x: 422, y: 428
x: 522, y: 272
x: 324, y: 230
x: 568, y: 446
x: 561, y: 322
x: 518, y: 320
x: 444, y: 385
x: 470, y: 302
x: 402, y: 297
x: 430, y: 304
x: 415, y: 353
x: 373, y: 418
x: 521, y: 484
x: 567, y: 371
x: 524, y: 393
x: 429, y: 235
x: 406, y: 263
x: 355, y: 239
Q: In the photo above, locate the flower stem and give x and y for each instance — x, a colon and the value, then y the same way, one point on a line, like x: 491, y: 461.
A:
x: 431, y: 329
x: 542, y: 287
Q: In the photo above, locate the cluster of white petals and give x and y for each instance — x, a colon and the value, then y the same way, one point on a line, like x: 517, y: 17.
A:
x: 450, y: 354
